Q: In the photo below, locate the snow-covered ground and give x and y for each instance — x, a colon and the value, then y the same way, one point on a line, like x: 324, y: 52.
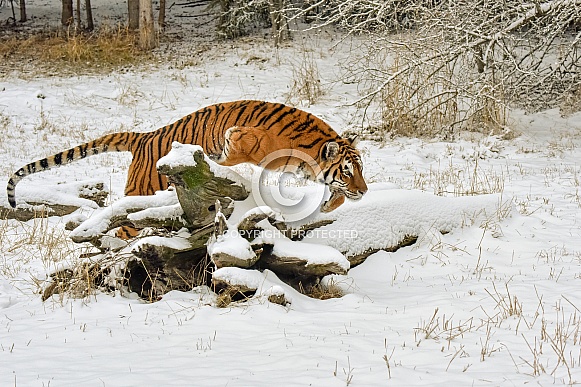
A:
x: 493, y: 302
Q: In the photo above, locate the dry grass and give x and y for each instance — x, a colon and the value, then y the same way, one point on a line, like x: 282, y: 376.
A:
x: 571, y: 102
x: 80, y: 282
x: 36, y: 239
x: 425, y: 98
x: 429, y: 103
x: 468, y: 179
x: 417, y: 105
x: 87, y: 275
x: 107, y: 48
x: 324, y: 291
x: 305, y: 86
x: 23, y: 243
x: 223, y: 300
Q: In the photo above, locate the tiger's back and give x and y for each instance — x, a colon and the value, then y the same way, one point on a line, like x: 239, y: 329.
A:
x: 258, y: 127
x: 291, y: 128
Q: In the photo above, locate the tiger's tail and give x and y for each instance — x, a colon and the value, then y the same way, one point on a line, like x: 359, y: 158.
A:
x: 115, y: 142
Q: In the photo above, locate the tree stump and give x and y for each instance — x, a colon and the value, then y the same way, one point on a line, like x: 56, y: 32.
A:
x: 199, y: 184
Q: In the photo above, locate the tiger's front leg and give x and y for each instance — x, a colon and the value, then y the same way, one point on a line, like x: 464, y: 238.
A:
x: 337, y: 198
x: 244, y: 145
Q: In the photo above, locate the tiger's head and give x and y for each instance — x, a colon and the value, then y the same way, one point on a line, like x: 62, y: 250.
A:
x: 342, y: 168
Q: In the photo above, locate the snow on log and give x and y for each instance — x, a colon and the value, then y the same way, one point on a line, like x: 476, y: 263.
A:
x: 183, y: 156
x: 231, y: 249
x: 198, y: 183
x: 245, y: 280
x: 295, y: 258
x: 55, y: 200
x: 117, y: 214
x: 386, y: 217
x: 234, y: 279
x: 248, y: 225
x: 257, y: 241
x: 226, y: 247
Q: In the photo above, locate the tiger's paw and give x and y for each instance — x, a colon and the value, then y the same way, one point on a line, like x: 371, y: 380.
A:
x: 334, y: 202
x: 127, y: 232
x: 214, y: 157
x: 220, y: 158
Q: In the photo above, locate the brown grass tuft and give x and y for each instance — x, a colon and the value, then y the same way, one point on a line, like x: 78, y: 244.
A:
x: 326, y: 291
x: 105, y: 49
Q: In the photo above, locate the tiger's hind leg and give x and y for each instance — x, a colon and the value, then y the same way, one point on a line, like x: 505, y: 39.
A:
x: 127, y: 232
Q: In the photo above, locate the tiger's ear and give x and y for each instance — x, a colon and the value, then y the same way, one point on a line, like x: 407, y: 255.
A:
x: 353, y: 139
x: 330, y: 151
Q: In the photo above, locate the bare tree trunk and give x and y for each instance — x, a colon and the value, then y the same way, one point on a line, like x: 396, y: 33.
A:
x: 23, y: 11
x: 133, y: 14
x: 146, y: 27
x: 90, y: 24
x: 161, y: 18
x: 78, y: 15
x: 280, y: 28
x: 67, y: 13
x: 13, y: 13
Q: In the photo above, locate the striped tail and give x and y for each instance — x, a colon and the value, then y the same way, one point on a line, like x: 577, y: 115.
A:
x: 115, y: 142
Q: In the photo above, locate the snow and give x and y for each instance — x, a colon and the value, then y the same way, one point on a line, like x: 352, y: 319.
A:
x: 259, y: 210
x: 183, y: 155
x: 98, y: 223
x: 312, y: 253
x: 266, y: 283
x: 385, y: 216
x: 174, y: 243
x: 437, y: 313
x: 235, y: 276
x: 231, y: 243
x: 66, y: 194
x: 172, y: 211
x: 180, y: 155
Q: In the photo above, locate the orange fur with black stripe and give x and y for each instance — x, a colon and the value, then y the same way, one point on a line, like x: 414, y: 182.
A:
x: 233, y: 133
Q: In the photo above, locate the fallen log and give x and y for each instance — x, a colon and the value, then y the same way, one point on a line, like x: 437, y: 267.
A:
x: 194, y: 240
x: 88, y: 194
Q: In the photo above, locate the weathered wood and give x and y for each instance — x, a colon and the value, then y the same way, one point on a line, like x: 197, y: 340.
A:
x: 161, y: 269
x: 250, y: 222
x: 222, y: 259
x: 198, y: 188
x: 241, y: 256
x: 130, y: 211
x: 298, y: 233
x: 165, y: 223
x: 37, y: 210
x: 220, y: 224
x: 206, y: 200
x: 235, y: 284
x: 249, y: 229
x: 296, y: 266
x: 93, y: 192
x: 222, y: 285
x: 358, y: 259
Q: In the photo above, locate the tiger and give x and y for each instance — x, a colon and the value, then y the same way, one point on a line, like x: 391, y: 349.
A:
x: 231, y: 133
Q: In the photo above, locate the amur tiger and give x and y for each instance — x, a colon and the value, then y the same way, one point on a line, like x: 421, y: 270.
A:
x: 233, y: 133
